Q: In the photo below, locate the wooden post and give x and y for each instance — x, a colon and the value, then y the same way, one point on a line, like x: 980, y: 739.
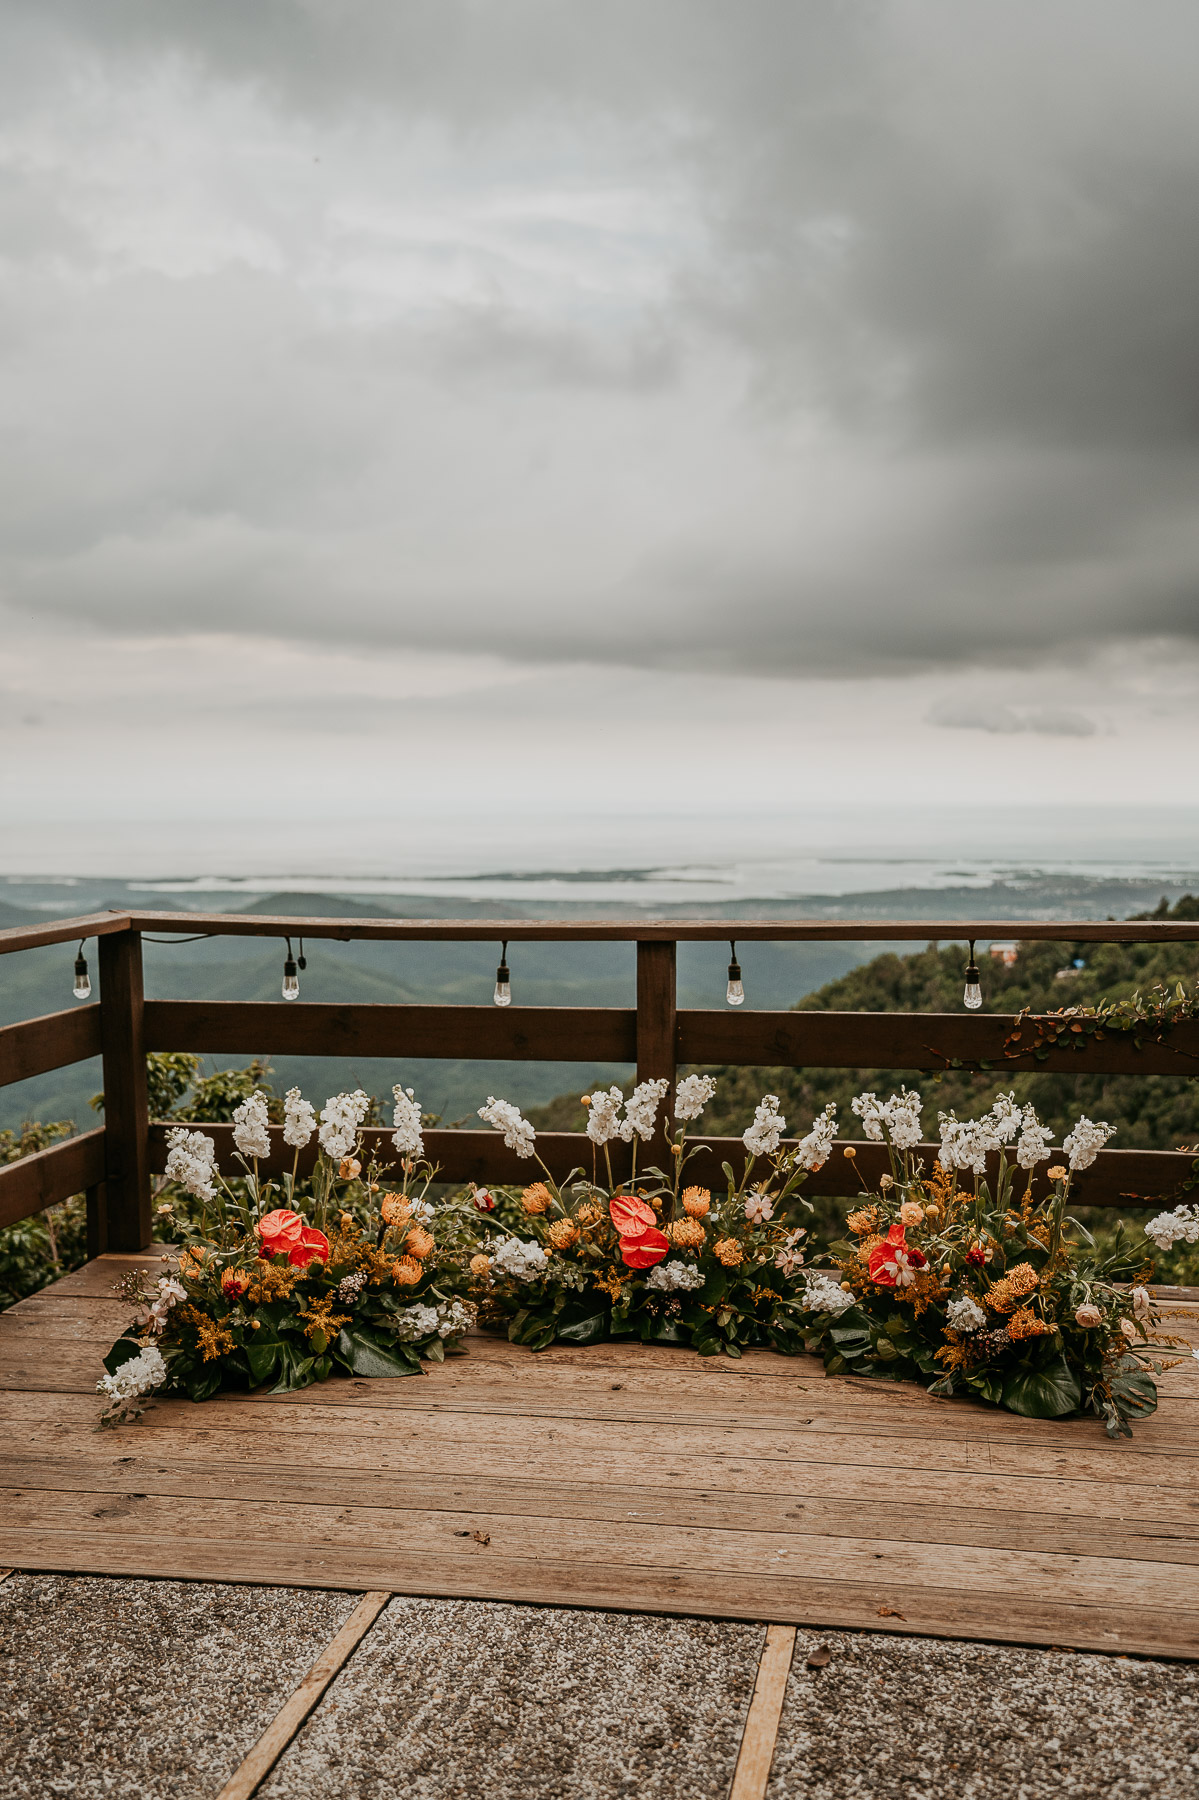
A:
x: 97, y: 1220
x: 126, y: 1110
x: 656, y: 1039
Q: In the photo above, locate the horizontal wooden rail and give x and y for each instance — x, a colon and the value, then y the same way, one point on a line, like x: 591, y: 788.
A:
x: 62, y: 931
x: 51, y: 1042
x: 320, y: 1028
x: 1118, y: 1177
x: 47, y: 1177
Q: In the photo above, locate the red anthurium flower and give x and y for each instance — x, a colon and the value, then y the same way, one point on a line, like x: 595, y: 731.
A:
x: 894, y: 1263
x: 630, y: 1216
x: 643, y: 1251
x: 284, y: 1233
x: 313, y: 1244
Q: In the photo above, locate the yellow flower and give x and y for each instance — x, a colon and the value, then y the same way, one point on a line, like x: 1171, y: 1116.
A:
x: 1025, y: 1323
x: 1057, y: 1172
x: 563, y: 1233
x: 419, y: 1242
x: 728, y: 1251
x: 406, y: 1271
x: 697, y: 1202
x: 1002, y: 1296
x: 536, y: 1198
x: 480, y: 1266
x: 688, y: 1234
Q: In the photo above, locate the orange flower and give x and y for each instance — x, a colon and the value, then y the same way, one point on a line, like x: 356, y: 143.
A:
x: 234, y: 1283
x: 396, y: 1210
x: 697, y: 1202
x: 688, y: 1234
x: 910, y: 1213
x: 536, y: 1198
x: 562, y: 1233
x: 589, y: 1213
x: 480, y: 1266
x: 728, y: 1251
x: 407, y: 1271
x: 419, y: 1242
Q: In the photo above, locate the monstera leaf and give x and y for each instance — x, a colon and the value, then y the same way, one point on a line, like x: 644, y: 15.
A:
x: 1046, y: 1393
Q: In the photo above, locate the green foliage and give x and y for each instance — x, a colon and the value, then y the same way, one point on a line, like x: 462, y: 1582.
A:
x: 52, y: 1243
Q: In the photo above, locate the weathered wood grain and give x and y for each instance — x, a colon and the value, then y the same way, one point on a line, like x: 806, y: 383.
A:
x: 49, y: 1042
x: 48, y: 1176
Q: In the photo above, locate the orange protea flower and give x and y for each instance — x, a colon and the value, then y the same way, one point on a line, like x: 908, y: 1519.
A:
x: 697, y: 1202
x: 1025, y: 1323
x: 688, y: 1234
x: 396, y: 1209
x: 480, y: 1266
x: 419, y: 1242
x: 863, y: 1221
x: 728, y: 1251
x: 536, y: 1198
x: 1003, y: 1294
x: 191, y: 1265
x: 406, y: 1271
x: 563, y: 1233
x: 590, y: 1213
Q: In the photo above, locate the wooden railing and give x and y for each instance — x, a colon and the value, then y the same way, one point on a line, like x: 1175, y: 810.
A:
x: 114, y: 1165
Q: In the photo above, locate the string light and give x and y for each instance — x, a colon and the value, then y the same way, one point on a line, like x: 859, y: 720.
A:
x: 83, y: 981
x: 972, y: 996
x: 291, y: 980
x: 503, y: 980
x: 734, y: 993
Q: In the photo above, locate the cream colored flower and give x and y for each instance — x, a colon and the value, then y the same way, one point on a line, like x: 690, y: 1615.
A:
x: 1088, y: 1316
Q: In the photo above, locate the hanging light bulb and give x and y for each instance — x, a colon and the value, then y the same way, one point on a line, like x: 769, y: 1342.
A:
x: 503, y: 980
x: 972, y: 995
x: 734, y: 993
x: 291, y: 980
x: 83, y: 981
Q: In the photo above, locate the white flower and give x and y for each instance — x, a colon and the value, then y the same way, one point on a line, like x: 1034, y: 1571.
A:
x: 812, y: 1152
x: 1086, y: 1141
x: 421, y: 1211
x: 603, y: 1115
x: 191, y: 1161
x: 763, y: 1136
x: 1142, y: 1304
x: 641, y: 1109
x: 415, y: 1322
x: 668, y: 1276
x: 965, y: 1314
x: 966, y: 1142
x: 900, y: 1115
x: 789, y: 1260
x: 758, y: 1208
x: 406, y: 1119
x: 154, y: 1317
x: 823, y: 1294
x: 251, y: 1127
x: 1007, y: 1116
x: 692, y: 1095
x: 519, y: 1135
x: 455, y: 1317
x: 511, y: 1256
x: 1035, y: 1140
x: 341, y: 1117
x: 137, y: 1376
x: 299, y: 1120
x: 1168, y: 1228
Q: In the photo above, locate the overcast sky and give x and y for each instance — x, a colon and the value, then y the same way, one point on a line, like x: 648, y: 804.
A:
x: 410, y: 408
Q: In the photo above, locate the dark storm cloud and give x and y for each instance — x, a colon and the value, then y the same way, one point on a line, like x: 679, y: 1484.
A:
x: 952, y: 255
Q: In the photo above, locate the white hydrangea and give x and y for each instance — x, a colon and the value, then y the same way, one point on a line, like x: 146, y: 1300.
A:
x: 139, y: 1375
x: 1086, y: 1141
x: 670, y: 1276
x: 759, y: 1207
x: 762, y: 1138
x: 455, y: 1317
x: 341, y: 1117
x: 448, y: 1319
x: 251, y: 1127
x: 692, y: 1095
x: 519, y: 1135
x: 1170, y: 1227
x: 191, y: 1161
x: 965, y: 1314
x: 520, y: 1259
x: 406, y: 1119
x: 641, y: 1110
x: 822, y: 1294
x: 1036, y: 1140
x: 415, y: 1322
x: 299, y: 1119
x: 813, y: 1151
x: 900, y: 1115
x: 603, y: 1115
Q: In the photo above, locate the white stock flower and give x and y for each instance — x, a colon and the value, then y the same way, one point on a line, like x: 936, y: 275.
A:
x: 692, y: 1095
x: 603, y: 1115
x: 299, y: 1120
x: 669, y: 1276
x: 762, y: 1138
x: 511, y: 1256
x: 1036, y: 1140
x: 1007, y: 1116
x: 191, y: 1161
x: 1086, y: 1141
x: 251, y: 1127
x: 965, y: 1142
x: 1169, y: 1227
x: 759, y: 1208
x: 965, y: 1314
x: 138, y: 1375
x: 822, y: 1294
x: 641, y: 1109
x: 406, y: 1119
x: 812, y: 1152
x: 900, y: 1115
x: 519, y: 1135
x: 341, y: 1116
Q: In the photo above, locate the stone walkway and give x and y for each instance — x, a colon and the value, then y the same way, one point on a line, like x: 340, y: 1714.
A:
x: 160, y: 1688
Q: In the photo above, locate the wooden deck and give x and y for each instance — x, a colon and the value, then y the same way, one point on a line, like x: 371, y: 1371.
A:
x: 638, y: 1479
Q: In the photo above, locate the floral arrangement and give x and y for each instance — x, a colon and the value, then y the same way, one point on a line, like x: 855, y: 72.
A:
x: 352, y: 1275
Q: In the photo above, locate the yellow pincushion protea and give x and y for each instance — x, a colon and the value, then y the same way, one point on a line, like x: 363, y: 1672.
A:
x: 697, y: 1202
x: 419, y: 1242
x: 536, y: 1198
x: 406, y: 1271
x: 688, y: 1234
x: 589, y: 1213
x: 396, y: 1209
x: 563, y: 1233
x: 729, y: 1252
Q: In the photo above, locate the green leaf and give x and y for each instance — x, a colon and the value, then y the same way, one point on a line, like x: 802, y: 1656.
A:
x: 590, y: 1330
x: 123, y: 1351
x: 262, y: 1359
x: 1133, y: 1389
x: 1047, y: 1393
x: 365, y: 1355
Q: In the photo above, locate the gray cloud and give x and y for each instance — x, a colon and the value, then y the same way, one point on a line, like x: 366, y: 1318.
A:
x: 1003, y: 721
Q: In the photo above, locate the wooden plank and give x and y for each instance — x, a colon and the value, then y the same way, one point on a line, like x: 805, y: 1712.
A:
x: 919, y: 1041
x: 681, y: 930
x: 752, y: 1775
x: 126, y: 1111
x: 48, y: 1176
x: 656, y: 1031
x: 318, y: 1028
x: 245, y: 1780
x: 50, y: 1042
x: 63, y: 931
